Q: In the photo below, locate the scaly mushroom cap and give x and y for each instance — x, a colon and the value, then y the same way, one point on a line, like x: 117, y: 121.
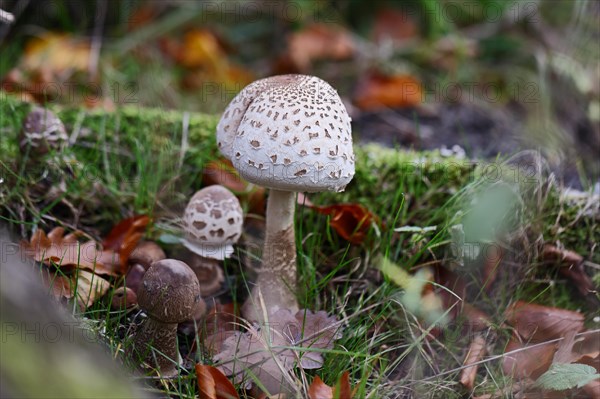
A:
x: 169, y: 292
x: 42, y: 131
x: 213, y: 222
x: 289, y: 132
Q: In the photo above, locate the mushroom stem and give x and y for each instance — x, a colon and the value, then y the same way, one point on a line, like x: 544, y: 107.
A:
x: 276, y: 281
x: 156, y: 344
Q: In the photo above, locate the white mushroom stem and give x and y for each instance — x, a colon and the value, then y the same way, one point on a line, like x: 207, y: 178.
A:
x: 276, y: 282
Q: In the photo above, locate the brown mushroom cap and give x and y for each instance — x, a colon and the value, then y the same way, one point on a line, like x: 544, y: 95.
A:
x: 170, y: 292
x: 146, y: 253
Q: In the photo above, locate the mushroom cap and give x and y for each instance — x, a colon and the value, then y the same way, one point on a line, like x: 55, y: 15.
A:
x: 170, y: 292
x: 146, y: 253
x: 42, y: 131
x: 213, y: 222
x: 289, y: 132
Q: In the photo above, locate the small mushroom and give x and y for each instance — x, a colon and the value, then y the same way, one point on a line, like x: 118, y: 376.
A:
x: 42, y: 132
x: 213, y: 223
x: 289, y: 133
x: 146, y: 253
x: 169, y: 294
x: 123, y: 298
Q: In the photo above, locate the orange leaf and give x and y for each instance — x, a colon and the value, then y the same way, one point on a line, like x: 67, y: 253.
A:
x: 343, y: 387
x: 213, y: 384
x: 56, y: 53
x: 394, y: 25
x: 342, y: 390
x: 319, y: 41
x: 537, y: 323
x: 124, y: 237
x: 351, y: 221
x: 378, y: 91
x: 319, y: 390
x: 201, y: 48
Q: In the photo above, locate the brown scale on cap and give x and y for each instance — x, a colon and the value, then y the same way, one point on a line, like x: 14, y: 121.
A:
x: 169, y: 294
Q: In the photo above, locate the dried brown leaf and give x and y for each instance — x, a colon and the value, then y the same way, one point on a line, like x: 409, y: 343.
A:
x: 67, y: 253
x: 317, y: 42
x: 476, y: 352
x: 376, y: 91
x: 571, y: 267
x: 529, y: 363
x: 537, y: 323
x: 266, y: 351
x: 125, y: 236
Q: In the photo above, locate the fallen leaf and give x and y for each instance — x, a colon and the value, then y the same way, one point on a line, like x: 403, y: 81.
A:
x: 529, y: 363
x: 477, y: 319
x: 213, y: 384
x: 393, y: 25
x: 376, y: 91
x: 125, y: 236
x: 223, y: 173
x: 475, y: 354
x: 88, y: 287
x: 265, y: 352
x: 204, y: 55
x: 571, y: 267
x: 537, y: 323
x: 319, y: 390
x: 82, y: 285
x: 66, y: 252
x: 317, y: 42
x: 221, y: 323
x: 57, y: 53
x: 342, y: 390
x: 201, y: 48
x: 60, y: 285
x: 351, y: 221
